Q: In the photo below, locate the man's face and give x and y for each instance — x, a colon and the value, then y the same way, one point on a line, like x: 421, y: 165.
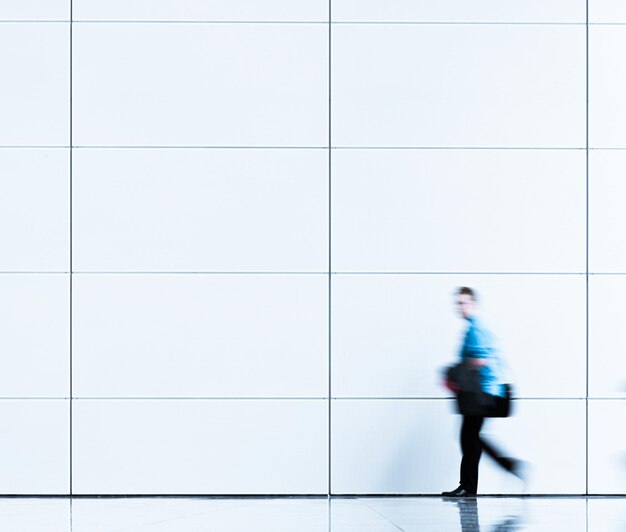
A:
x: 465, y: 305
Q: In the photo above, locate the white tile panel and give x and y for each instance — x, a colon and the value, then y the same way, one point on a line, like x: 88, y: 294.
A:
x: 401, y: 446
x: 34, y: 447
x: 368, y: 514
x: 34, y: 210
x: 200, y: 514
x: 607, y: 341
x: 541, y: 514
x: 607, y: 84
x: 349, y: 514
x: 35, y: 92
x: 200, y: 335
x: 607, y: 188
x: 393, y: 334
x: 409, y: 514
x: 606, y: 514
x: 550, y: 437
x: 34, y: 335
x: 458, y: 211
x: 200, y: 84
x: 200, y: 447
x: 35, y: 10
x: 393, y: 446
x: 564, y: 11
x: 458, y: 85
x: 35, y: 514
x: 200, y: 210
x: 607, y: 452
x: 607, y: 11
x: 195, y: 10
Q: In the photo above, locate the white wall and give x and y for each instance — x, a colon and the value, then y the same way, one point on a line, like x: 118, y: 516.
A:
x: 231, y: 232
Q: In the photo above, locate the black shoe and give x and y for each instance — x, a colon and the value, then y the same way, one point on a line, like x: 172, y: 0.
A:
x: 459, y: 492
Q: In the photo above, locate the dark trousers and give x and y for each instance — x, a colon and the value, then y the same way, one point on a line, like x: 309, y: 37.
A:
x: 472, y: 447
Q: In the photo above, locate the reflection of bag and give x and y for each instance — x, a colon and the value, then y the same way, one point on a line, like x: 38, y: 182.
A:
x: 470, y: 398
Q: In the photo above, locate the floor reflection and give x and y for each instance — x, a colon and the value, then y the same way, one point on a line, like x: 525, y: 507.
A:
x: 470, y: 522
x: 315, y: 514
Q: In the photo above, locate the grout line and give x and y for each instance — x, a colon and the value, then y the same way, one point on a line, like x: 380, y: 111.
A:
x: 286, y: 398
x: 39, y: 147
x: 71, y: 441
x: 119, y: 272
x: 606, y: 398
x: 198, y: 273
x: 197, y: 496
x: 26, y: 21
x: 36, y: 398
x: 208, y: 22
x: 329, y: 513
x: 587, y: 249
x: 200, y: 147
x: 35, y: 273
x: 461, y: 148
x: 606, y: 273
x: 320, y: 148
x: 455, y: 273
x: 329, y: 489
x: 318, y: 496
x: 311, y: 22
x: 346, y: 273
x: 199, y: 398
x: 325, y: 148
x: 454, y: 23
x: 426, y: 398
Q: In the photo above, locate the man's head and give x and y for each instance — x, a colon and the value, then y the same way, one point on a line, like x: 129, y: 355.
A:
x: 466, y: 302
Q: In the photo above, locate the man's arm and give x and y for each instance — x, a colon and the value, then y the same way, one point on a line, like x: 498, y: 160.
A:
x: 478, y: 347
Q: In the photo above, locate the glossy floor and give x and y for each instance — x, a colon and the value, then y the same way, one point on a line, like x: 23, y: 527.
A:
x: 369, y: 514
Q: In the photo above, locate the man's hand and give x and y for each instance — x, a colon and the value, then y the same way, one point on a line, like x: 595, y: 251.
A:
x: 451, y: 386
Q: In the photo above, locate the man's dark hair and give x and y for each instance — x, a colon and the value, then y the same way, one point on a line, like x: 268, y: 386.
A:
x: 466, y: 291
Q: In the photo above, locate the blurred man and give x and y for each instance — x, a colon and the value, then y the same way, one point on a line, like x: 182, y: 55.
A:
x: 478, y: 353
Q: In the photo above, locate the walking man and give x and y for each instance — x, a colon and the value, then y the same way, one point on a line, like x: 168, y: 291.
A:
x: 479, y: 354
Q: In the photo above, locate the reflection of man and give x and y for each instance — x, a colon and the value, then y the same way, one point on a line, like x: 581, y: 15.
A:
x: 468, y: 514
x: 479, y: 351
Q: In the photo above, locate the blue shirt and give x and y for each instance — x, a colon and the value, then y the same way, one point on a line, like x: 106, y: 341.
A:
x: 478, y: 343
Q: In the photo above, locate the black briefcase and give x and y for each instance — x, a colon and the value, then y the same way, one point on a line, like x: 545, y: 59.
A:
x: 471, y: 400
x: 503, y: 404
